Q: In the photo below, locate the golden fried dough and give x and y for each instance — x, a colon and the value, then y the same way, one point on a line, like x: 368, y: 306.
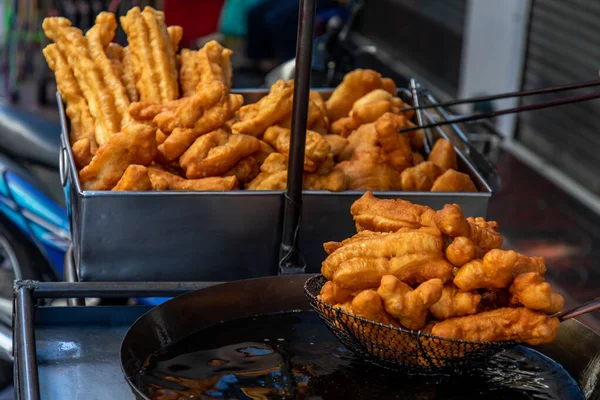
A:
x: 420, y: 267
x: 519, y: 324
x: 497, y: 270
x: 451, y: 221
x: 417, y: 158
x: 267, y: 112
x: 265, y: 149
x: 330, y: 247
x: 213, y: 63
x: 71, y: 42
x: 396, y: 146
x: 336, y: 143
x: 453, y: 181
x: 368, y: 304
x: 394, y: 244
x: 455, y: 303
x: 325, y: 178
x: 152, y: 55
x: 381, y: 215
x: 201, y: 113
x: 245, y: 170
x: 370, y: 171
x: 333, y: 294
x: 129, y: 77
x: 98, y: 37
x: 163, y: 180
x: 420, y: 177
x: 135, y: 144
x: 82, y: 153
x: 198, y: 151
x: 315, y: 152
x: 175, y: 35
x: 134, y: 178
x: 189, y: 76
x: 355, y: 85
x: 222, y: 158
x: 363, y: 139
x: 410, y: 307
x: 462, y: 250
x: 532, y: 291
x: 82, y: 122
x: 443, y: 155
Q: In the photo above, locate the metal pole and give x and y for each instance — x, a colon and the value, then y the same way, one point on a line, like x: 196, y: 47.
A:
x: 291, y: 261
x: 71, y: 276
x: 48, y: 290
x: 29, y: 388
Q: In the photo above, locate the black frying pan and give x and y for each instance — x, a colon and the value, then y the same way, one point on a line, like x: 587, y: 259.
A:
x: 576, y: 348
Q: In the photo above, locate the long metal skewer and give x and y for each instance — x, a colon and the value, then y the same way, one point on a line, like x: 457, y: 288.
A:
x: 580, y: 310
x: 492, y: 114
x: 523, y: 93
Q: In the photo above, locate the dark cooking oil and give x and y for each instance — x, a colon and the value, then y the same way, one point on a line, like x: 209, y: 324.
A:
x: 294, y: 356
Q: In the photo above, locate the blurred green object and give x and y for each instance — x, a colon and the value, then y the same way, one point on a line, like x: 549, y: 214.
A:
x: 234, y: 17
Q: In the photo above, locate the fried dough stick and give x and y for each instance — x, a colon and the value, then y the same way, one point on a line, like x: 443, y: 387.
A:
x: 400, y: 243
x: 451, y: 221
x: 370, y: 171
x: 532, y: 291
x: 420, y: 177
x: 214, y: 64
x: 129, y: 76
x: 503, y: 324
x: 364, y: 273
x: 455, y: 303
x: 373, y: 214
x: 135, y: 144
x: 99, y: 37
x: 163, y: 180
x: 396, y: 146
x: 316, y: 150
x: 222, y: 158
x: 71, y: 42
x: 497, y: 270
x: 205, y: 111
x: 134, y: 178
x: 245, y: 170
x: 82, y: 122
x: 152, y: 55
x: 453, y: 181
x: 333, y: 294
x: 462, y: 250
x: 410, y: 307
x: 355, y: 85
x: 443, y: 155
x: 198, y: 151
x: 256, y: 118
x: 188, y: 72
x: 368, y: 305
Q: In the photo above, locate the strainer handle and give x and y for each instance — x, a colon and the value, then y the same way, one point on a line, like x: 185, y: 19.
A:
x: 580, y: 310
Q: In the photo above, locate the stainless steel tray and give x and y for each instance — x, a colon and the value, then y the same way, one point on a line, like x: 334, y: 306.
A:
x: 212, y: 236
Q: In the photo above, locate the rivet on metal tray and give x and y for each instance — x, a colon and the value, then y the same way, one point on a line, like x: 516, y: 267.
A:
x: 62, y: 166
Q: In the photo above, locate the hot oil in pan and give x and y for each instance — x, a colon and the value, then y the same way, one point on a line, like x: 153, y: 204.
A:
x: 294, y: 356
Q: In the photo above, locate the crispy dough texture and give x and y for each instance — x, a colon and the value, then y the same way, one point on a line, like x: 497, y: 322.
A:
x: 420, y: 177
x: 443, y: 155
x: 355, y: 85
x: 71, y: 42
x: 82, y: 122
x: 163, y: 180
x: 134, y: 178
x: 424, y: 240
x: 451, y: 221
x: 152, y: 55
x: 256, y: 118
x: 316, y: 151
x: 519, y: 324
x: 220, y: 159
x: 455, y: 303
x: 373, y: 214
x: 410, y: 307
x: 136, y: 144
x: 497, y: 270
x: 453, y: 181
x: 532, y: 291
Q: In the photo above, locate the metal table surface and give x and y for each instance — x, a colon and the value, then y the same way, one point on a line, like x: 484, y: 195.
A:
x: 78, y: 351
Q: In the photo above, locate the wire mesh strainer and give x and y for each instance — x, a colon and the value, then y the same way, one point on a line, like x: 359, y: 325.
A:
x: 412, y: 352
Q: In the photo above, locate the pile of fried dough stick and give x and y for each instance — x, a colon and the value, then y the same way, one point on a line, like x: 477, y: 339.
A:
x: 151, y: 116
x: 438, y: 272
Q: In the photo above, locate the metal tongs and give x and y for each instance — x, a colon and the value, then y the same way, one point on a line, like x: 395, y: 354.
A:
x: 457, y: 136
